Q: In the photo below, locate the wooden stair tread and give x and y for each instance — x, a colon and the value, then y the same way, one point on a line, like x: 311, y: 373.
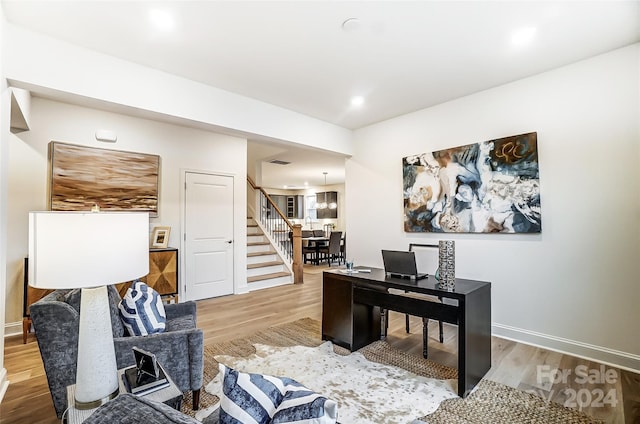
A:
x: 258, y: 243
x: 263, y: 253
x: 267, y: 276
x: 264, y: 264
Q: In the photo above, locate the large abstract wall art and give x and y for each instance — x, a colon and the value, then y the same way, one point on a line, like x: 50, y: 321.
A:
x: 114, y: 180
x: 487, y: 187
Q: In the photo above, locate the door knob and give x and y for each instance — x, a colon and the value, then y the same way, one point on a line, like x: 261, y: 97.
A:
x: 229, y: 241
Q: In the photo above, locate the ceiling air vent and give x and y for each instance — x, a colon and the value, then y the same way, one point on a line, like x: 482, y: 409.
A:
x: 279, y: 162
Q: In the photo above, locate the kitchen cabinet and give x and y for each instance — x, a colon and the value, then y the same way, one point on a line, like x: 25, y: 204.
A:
x: 292, y: 206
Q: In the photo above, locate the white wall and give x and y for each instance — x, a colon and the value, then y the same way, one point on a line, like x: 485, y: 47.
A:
x: 5, y: 101
x: 179, y: 147
x: 574, y: 287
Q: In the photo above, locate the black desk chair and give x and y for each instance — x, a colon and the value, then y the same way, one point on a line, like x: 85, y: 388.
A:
x: 425, y: 321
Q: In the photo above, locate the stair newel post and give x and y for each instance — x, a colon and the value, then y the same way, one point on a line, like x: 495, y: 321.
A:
x: 297, y: 254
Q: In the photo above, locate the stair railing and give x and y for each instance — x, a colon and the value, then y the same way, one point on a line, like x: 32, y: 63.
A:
x: 285, y: 235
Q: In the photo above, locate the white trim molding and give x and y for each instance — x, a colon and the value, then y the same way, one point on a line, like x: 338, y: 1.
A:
x: 4, y: 383
x: 12, y: 329
x: 612, y: 357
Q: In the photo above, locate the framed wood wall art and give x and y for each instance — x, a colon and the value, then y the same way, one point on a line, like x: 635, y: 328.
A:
x: 115, y: 180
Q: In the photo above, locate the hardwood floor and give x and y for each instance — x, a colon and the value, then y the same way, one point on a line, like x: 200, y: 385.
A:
x: 528, y: 368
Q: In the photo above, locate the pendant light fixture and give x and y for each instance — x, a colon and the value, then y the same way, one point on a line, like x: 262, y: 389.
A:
x: 323, y: 204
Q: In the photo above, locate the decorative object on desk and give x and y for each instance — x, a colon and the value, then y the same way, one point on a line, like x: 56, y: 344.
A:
x: 487, y: 187
x: 142, y: 311
x: 160, y: 237
x: 89, y: 250
x: 115, y: 180
x: 446, y: 273
x: 349, y: 265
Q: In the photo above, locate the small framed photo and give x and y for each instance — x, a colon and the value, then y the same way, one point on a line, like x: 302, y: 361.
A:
x: 160, y: 237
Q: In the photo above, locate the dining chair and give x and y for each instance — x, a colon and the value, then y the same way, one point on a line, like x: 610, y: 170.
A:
x: 308, y: 249
x: 332, y: 250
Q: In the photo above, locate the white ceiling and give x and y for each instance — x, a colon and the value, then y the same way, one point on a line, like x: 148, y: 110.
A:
x: 402, y: 56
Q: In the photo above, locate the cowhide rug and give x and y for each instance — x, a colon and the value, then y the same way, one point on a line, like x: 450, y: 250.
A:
x: 367, y: 392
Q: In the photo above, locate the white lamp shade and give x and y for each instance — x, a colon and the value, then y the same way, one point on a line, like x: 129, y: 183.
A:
x: 76, y: 249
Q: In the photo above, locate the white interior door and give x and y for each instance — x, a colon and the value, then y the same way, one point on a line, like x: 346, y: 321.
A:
x: 208, y: 235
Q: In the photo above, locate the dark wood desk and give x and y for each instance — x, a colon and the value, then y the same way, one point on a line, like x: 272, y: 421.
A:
x: 351, y: 305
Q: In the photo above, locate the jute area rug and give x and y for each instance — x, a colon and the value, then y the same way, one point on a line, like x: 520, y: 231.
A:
x: 491, y: 402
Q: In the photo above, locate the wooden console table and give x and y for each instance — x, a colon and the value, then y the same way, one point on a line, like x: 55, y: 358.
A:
x: 351, y: 317
x: 163, y: 274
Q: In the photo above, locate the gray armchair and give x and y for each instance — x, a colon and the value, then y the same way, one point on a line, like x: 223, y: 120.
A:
x: 179, y: 348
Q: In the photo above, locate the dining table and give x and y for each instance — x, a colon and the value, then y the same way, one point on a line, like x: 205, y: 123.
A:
x: 318, y: 242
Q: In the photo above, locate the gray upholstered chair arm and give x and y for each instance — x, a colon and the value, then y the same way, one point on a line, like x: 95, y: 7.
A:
x: 176, y: 310
x: 169, y: 349
x: 56, y: 325
x: 196, y: 357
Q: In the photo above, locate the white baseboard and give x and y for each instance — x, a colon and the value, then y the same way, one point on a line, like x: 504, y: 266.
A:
x: 616, y: 358
x: 12, y: 328
x: 4, y: 383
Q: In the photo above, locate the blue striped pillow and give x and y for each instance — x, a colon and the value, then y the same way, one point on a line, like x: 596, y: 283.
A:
x: 303, y: 406
x: 142, y: 311
x: 262, y: 399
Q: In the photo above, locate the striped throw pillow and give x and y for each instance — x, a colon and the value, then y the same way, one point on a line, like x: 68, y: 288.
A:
x: 303, y: 406
x: 142, y: 311
x: 261, y: 399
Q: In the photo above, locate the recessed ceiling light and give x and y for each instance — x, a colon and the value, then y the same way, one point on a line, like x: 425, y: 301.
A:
x: 357, y: 101
x: 523, y: 36
x: 161, y: 19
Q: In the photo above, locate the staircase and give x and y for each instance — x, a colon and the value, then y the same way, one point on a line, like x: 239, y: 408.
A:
x: 265, y: 268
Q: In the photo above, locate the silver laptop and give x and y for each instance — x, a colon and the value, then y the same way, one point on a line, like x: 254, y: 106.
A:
x: 399, y: 263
